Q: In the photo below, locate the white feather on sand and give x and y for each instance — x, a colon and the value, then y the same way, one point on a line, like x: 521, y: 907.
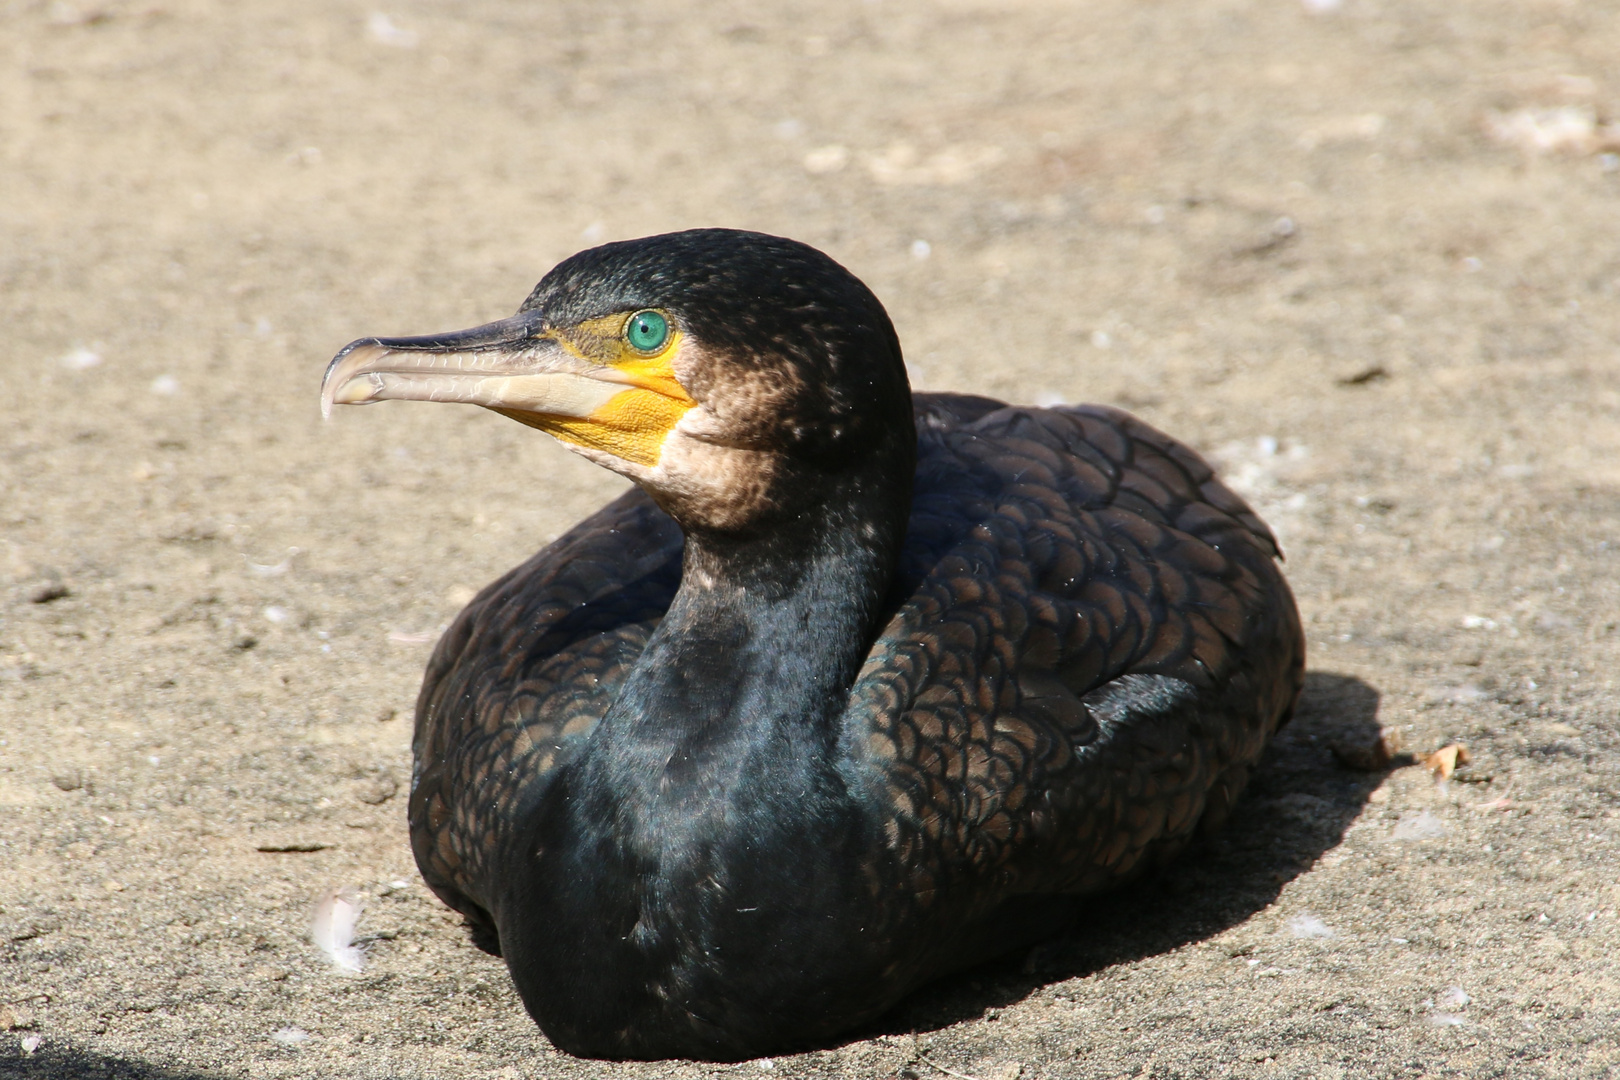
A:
x: 336, y: 913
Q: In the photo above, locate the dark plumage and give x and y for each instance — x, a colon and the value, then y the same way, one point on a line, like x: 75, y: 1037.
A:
x: 850, y: 694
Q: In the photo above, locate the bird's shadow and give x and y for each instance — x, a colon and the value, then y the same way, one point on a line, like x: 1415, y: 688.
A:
x: 1298, y: 805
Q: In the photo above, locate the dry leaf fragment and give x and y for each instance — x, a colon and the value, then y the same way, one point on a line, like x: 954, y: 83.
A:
x: 1444, y: 761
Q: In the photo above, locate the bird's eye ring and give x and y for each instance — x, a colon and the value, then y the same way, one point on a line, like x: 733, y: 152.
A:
x: 647, y: 331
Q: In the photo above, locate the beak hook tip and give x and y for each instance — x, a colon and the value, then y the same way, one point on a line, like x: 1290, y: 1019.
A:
x: 329, y: 388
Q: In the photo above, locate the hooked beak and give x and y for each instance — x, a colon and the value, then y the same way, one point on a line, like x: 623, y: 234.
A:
x: 618, y: 414
x: 510, y: 365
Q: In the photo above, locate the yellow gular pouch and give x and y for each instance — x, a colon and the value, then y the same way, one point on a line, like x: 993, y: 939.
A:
x: 633, y: 423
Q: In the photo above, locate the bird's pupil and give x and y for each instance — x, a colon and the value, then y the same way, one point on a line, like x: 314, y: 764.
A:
x: 648, y: 330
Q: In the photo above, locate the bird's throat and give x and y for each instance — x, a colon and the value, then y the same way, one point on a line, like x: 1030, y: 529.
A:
x: 759, y: 647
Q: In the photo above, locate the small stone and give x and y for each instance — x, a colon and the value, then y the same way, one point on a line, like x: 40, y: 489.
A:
x: 68, y: 780
x: 80, y: 359
x: 379, y: 790
x: 381, y: 29
x: 1420, y: 826
x: 16, y: 1018
x: 1309, y: 926
x: 826, y: 159
x: 1368, y: 754
x: 37, y: 929
x: 1462, y: 694
x: 49, y: 592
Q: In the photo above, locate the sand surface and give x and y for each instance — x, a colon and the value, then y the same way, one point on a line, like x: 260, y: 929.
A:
x: 1364, y: 255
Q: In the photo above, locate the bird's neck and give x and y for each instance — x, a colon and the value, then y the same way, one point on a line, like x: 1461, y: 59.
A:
x: 790, y: 614
x: 763, y: 639
x: 710, y: 819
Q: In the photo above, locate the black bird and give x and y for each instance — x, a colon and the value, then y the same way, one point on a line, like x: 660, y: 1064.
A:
x: 855, y: 688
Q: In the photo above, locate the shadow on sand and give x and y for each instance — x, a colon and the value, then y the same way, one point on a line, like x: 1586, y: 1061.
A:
x: 56, y: 1061
x: 1298, y: 805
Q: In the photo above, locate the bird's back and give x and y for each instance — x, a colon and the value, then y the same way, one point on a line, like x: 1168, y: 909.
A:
x: 1090, y: 643
x: 1092, y: 646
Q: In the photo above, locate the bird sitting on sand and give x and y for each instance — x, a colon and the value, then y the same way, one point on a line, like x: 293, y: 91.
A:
x: 856, y: 687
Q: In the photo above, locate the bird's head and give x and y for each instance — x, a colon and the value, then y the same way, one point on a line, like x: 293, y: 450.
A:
x: 730, y: 374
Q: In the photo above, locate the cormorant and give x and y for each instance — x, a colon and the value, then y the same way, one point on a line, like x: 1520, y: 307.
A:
x: 856, y: 687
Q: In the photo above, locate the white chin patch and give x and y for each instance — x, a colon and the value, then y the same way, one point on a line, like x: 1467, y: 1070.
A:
x: 707, y: 483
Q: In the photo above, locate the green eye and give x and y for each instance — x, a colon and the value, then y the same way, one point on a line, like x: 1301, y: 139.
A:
x: 647, y: 331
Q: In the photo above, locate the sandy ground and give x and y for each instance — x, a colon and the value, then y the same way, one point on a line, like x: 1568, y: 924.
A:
x: 1363, y: 254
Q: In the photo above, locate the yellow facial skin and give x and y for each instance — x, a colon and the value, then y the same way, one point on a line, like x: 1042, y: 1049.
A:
x: 632, y: 424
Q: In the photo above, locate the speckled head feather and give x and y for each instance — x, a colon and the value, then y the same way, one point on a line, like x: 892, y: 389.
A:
x: 793, y: 347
